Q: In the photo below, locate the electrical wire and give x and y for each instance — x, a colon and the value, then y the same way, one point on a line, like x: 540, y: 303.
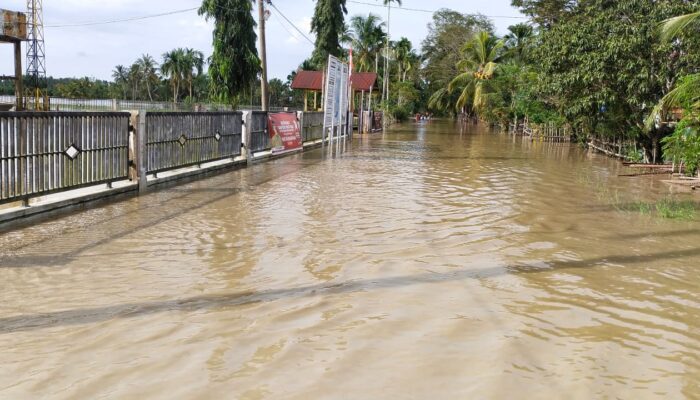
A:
x: 431, y: 11
x: 285, y: 28
x: 291, y: 23
x: 130, y: 19
x: 114, y: 21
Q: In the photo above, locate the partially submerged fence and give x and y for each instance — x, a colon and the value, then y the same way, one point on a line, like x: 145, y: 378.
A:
x: 177, y: 140
x: 259, y: 136
x: 311, y: 126
x: 43, y: 153
x: 50, y: 152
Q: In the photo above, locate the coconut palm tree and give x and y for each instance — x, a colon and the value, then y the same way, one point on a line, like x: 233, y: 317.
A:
x: 481, y: 55
x: 120, y: 74
x: 149, y: 74
x: 173, y: 68
x: 688, y: 88
x: 517, y: 40
x: 673, y: 26
x: 367, y: 38
x: 402, y: 51
x: 135, y: 77
x: 193, y: 62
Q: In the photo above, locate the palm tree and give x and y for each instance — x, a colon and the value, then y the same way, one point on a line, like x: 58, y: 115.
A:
x: 673, y: 26
x: 149, y: 73
x: 346, y: 35
x: 479, y: 63
x: 173, y: 68
x: 120, y: 74
x: 518, y: 39
x: 193, y: 61
x: 135, y: 77
x: 689, y: 87
x: 403, y: 51
x: 367, y: 38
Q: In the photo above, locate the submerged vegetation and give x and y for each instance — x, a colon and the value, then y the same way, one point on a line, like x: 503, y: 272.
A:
x: 667, y: 208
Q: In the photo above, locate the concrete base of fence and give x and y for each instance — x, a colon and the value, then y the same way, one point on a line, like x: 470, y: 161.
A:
x: 192, y: 173
x: 60, y: 203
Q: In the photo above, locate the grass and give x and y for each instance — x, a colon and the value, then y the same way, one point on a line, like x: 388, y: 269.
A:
x: 667, y: 208
x: 675, y: 209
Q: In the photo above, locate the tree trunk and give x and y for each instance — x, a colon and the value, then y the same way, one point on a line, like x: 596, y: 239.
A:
x: 148, y: 88
x: 176, y: 90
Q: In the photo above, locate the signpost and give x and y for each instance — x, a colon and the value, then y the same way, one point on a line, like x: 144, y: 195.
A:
x: 336, y: 100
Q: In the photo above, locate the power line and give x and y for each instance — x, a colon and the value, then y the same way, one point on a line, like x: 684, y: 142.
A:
x: 138, y: 18
x: 286, y: 29
x: 431, y: 11
x: 292, y: 24
x: 114, y: 21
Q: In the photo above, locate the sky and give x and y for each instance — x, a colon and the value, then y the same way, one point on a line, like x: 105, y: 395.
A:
x: 94, y: 50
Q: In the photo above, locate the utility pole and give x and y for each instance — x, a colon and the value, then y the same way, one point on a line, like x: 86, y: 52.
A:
x: 386, y: 64
x: 263, y: 54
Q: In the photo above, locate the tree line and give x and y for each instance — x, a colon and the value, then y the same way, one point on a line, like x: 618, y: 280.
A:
x: 620, y: 71
x: 616, y: 70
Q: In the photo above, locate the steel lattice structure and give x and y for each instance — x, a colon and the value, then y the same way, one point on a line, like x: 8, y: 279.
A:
x: 36, y: 57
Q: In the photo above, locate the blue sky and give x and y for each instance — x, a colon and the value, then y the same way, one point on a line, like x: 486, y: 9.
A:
x: 94, y: 50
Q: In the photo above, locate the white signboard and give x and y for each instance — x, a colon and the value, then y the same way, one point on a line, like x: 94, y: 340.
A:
x: 336, y: 100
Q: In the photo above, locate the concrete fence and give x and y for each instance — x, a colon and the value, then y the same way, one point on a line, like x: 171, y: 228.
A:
x: 257, y: 129
x: 43, y: 153
x: 46, y: 153
x: 177, y: 140
x: 311, y: 126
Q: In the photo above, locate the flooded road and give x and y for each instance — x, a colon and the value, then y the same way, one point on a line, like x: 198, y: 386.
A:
x: 429, y: 262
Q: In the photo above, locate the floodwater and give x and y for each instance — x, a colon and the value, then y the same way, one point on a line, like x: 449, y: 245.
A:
x: 431, y: 262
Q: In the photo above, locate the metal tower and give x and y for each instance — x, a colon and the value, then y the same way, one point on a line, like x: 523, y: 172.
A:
x: 36, y: 58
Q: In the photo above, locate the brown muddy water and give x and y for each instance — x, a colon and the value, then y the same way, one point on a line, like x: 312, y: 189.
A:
x: 431, y: 262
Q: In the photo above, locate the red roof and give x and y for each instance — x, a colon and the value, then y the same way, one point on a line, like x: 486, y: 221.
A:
x: 308, y: 80
x: 363, y: 81
x: 313, y: 80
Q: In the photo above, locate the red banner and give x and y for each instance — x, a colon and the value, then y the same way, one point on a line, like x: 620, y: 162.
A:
x: 285, y: 132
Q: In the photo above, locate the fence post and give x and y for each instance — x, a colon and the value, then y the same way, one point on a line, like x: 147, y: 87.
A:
x: 141, y: 157
x: 247, y: 125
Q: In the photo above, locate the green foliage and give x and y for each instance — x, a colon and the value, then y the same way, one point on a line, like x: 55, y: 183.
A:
x: 235, y: 64
x: 604, y: 66
x: 546, y: 12
x: 84, y: 88
x: 328, y: 23
x: 683, y: 146
x: 673, y: 27
x: 368, y: 36
x: 442, y: 50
